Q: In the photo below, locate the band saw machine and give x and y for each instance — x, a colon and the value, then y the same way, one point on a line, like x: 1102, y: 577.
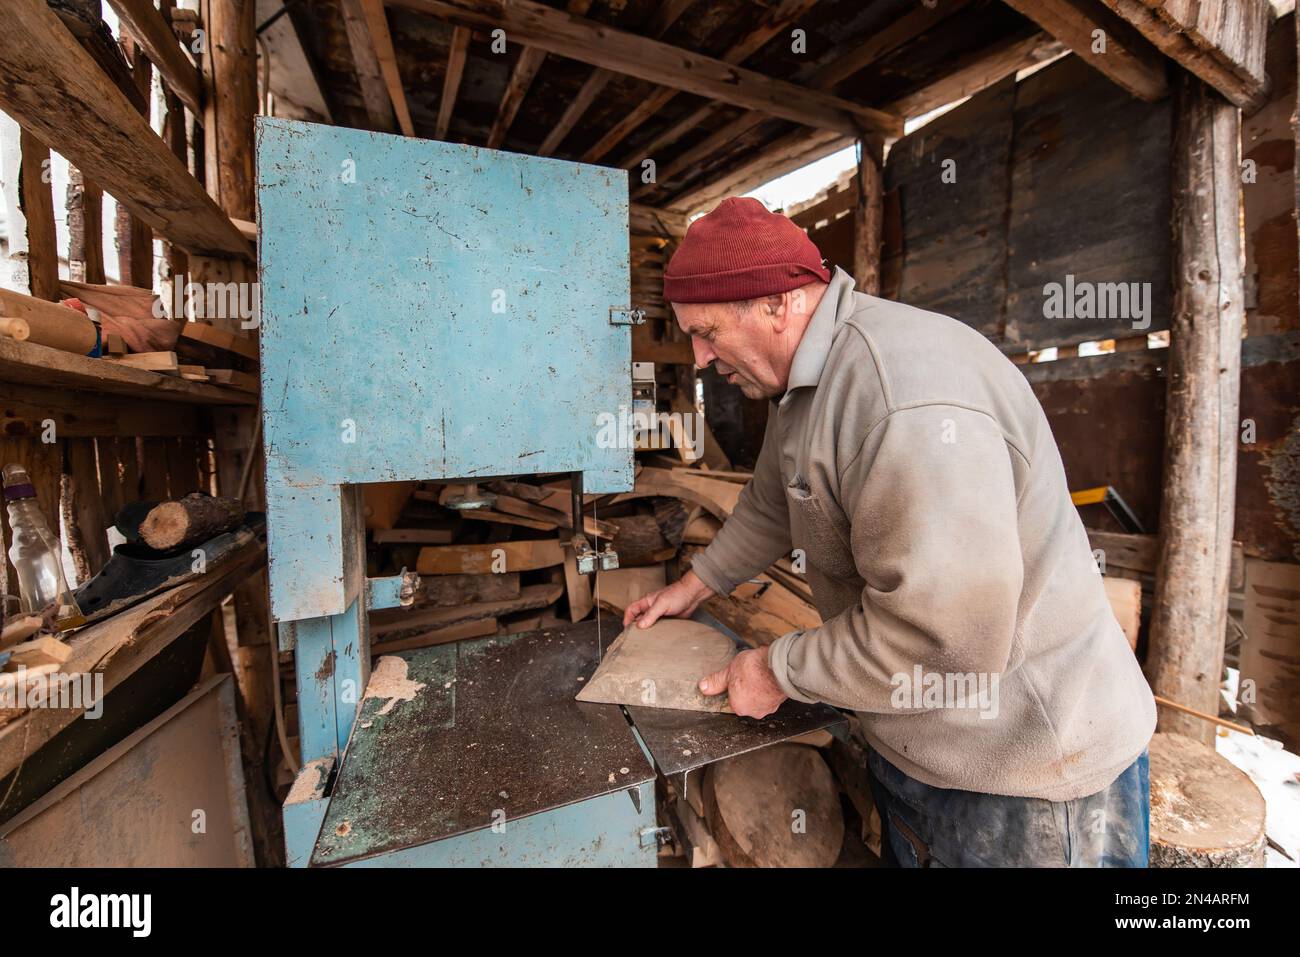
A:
x: 433, y: 311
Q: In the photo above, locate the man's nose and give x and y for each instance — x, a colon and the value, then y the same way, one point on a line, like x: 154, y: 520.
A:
x: 703, y: 354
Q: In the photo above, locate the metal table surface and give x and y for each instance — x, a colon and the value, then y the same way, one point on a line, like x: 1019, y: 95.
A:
x: 494, y: 731
x: 681, y: 741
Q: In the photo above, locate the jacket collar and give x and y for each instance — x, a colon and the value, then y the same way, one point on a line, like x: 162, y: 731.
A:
x: 815, y: 346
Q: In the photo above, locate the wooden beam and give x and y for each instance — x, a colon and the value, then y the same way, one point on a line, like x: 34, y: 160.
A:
x: 1201, y: 412
x: 904, y: 29
x: 382, y: 40
x: 665, y: 16
x: 972, y: 74
x: 145, y: 23
x: 771, y: 22
x: 1103, y: 40
x: 1221, y: 41
x: 50, y: 85
x: 451, y: 80
x: 599, y: 45
x: 374, y: 92
x: 521, y: 78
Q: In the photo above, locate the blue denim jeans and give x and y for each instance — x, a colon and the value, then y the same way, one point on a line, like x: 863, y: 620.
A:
x: 923, y: 826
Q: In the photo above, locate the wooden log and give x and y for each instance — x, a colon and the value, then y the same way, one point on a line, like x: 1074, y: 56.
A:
x: 775, y: 807
x: 50, y: 324
x: 1205, y: 812
x: 189, y: 521
x: 639, y: 541
x: 1189, y: 618
x: 443, y: 590
x: 869, y: 217
x: 15, y: 329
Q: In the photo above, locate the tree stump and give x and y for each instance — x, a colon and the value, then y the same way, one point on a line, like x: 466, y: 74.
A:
x: 1205, y: 812
x: 775, y: 807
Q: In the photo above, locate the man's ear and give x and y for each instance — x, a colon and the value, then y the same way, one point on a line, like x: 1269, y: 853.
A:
x: 777, y: 311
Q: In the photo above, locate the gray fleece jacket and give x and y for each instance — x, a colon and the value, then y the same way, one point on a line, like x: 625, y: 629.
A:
x: 912, y: 468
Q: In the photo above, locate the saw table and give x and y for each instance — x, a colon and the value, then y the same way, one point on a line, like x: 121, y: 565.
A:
x: 432, y: 311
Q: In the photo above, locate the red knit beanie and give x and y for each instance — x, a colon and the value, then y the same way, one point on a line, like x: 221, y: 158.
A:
x: 741, y: 251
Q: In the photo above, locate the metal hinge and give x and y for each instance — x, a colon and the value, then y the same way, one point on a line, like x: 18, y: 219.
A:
x: 619, y: 316
x: 654, y: 837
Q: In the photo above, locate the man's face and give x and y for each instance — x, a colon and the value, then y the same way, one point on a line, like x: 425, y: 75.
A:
x: 740, y: 340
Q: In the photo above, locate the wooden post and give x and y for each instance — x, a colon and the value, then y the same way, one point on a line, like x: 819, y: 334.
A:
x: 868, y: 216
x: 230, y: 74
x: 36, y: 197
x: 1201, y: 417
x: 134, y: 237
x: 230, y: 89
x: 85, y: 205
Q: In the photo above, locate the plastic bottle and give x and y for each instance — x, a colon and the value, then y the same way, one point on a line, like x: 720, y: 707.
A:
x: 35, y: 553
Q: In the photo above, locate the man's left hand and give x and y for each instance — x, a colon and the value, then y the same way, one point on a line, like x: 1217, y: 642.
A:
x: 750, y: 683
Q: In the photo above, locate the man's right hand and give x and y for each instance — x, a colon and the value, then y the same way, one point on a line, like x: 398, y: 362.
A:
x: 678, y: 600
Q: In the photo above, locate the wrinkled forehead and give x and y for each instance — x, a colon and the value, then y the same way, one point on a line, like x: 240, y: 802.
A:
x: 697, y: 318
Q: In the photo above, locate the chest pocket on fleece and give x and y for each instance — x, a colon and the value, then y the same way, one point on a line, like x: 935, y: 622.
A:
x: 812, y: 530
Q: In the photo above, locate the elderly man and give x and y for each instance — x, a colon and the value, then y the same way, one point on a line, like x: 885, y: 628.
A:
x: 908, y: 463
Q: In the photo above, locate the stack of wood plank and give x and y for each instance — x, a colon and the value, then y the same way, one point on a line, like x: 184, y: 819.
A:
x: 507, y: 566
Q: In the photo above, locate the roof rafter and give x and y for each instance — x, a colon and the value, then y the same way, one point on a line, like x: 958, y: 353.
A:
x: 599, y: 45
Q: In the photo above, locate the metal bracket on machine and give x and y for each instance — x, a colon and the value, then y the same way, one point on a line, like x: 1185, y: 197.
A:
x: 587, y: 558
x: 619, y: 316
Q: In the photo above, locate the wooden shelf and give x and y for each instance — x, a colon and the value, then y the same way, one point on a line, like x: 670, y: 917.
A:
x: 42, y: 366
x: 119, y: 645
